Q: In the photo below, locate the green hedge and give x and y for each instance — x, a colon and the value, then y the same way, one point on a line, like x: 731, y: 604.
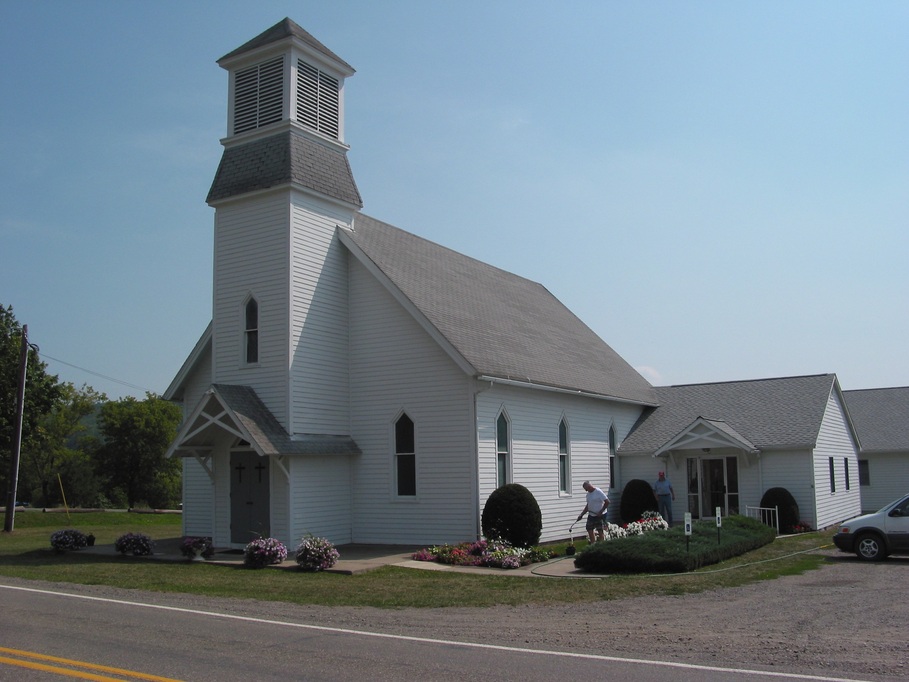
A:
x: 668, y: 551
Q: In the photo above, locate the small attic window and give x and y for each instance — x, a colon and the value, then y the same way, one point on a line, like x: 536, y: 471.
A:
x: 259, y: 95
x: 318, y: 99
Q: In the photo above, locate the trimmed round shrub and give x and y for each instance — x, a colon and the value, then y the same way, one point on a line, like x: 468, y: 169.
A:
x: 789, y: 508
x: 263, y: 552
x: 68, y: 540
x: 137, y: 544
x: 315, y: 554
x: 512, y: 514
x: 637, y: 498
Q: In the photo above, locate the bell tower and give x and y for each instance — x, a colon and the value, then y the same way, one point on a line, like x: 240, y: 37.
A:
x: 282, y: 188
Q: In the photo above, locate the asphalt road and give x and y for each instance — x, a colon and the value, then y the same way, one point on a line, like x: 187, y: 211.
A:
x: 174, y: 637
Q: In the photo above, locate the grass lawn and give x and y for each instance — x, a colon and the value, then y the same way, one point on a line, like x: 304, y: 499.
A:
x: 26, y: 553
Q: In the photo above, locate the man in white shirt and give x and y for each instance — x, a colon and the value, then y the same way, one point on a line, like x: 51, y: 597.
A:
x: 597, y: 502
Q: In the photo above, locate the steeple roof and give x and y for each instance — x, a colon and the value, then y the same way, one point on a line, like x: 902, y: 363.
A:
x: 283, y: 30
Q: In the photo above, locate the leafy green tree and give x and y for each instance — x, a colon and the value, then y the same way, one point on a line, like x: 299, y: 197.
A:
x: 62, y: 447
x: 42, y: 392
x: 135, y: 437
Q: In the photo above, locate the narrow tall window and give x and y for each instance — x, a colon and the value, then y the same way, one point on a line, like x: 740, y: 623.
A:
x: 405, y: 458
x: 864, y: 472
x: 503, y: 447
x: 251, y: 332
x: 832, y: 467
x: 846, y: 469
x: 563, y: 458
x: 612, y: 457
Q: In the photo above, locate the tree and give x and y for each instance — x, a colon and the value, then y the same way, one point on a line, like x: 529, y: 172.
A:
x: 42, y: 391
x: 61, y: 447
x: 135, y: 437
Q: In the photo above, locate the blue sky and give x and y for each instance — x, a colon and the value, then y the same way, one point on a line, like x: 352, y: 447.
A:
x: 719, y: 190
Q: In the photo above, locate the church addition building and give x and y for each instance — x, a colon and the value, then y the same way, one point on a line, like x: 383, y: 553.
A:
x: 361, y: 383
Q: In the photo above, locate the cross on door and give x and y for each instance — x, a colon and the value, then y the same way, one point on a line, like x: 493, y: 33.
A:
x: 240, y: 469
x: 260, y: 468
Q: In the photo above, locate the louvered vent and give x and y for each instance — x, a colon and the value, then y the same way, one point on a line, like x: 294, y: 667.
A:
x: 317, y: 99
x: 259, y: 95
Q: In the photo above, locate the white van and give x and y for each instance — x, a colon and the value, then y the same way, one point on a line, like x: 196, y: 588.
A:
x: 873, y: 536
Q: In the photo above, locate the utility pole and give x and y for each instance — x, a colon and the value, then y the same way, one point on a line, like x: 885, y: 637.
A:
x: 17, y: 436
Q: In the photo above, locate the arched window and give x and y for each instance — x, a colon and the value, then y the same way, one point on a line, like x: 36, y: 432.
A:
x: 564, y: 463
x: 612, y: 459
x: 503, y: 450
x: 251, y: 332
x: 405, y: 457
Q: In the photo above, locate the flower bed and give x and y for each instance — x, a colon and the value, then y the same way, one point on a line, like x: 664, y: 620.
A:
x: 494, y: 554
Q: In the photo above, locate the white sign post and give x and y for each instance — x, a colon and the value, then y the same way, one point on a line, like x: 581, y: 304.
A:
x: 719, y: 523
x: 687, y: 531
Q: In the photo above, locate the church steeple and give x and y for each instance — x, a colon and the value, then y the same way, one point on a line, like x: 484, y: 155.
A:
x: 285, y: 118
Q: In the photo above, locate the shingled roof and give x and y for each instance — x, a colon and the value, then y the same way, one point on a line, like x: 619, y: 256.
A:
x: 770, y: 413
x: 881, y: 418
x: 504, y: 326
x: 284, y: 29
x: 282, y: 159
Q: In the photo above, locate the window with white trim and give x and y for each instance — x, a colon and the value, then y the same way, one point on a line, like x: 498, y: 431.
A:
x: 259, y: 95
x: 405, y: 458
x: 251, y: 332
x: 612, y: 457
x: 564, y: 461
x: 503, y: 450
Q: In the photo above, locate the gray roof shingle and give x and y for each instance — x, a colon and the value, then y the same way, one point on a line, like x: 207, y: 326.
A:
x: 280, y: 159
x: 881, y: 418
x: 770, y: 413
x: 267, y: 433
x: 503, y: 325
x: 286, y: 28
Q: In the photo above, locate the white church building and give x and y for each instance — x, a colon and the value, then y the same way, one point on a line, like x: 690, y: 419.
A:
x: 361, y: 383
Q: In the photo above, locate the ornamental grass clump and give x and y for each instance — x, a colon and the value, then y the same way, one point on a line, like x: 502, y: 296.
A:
x: 316, y: 554
x: 193, y: 547
x: 68, y: 540
x: 264, y: 552
x: 137, y: 544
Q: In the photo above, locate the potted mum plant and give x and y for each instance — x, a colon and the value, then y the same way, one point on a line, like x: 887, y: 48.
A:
x: 315, y: 554
x: 197, y: 547
x: 137, y: 544
x: 263, y: 552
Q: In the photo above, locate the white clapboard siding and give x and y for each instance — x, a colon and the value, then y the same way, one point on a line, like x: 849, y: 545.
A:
x: 198, y: 499
x: 534, y: 417
x: 251, y: 241
x: 319, y: 350
x: 834, y: 440
x: 321, y: 498
x: 888, y: 476
x: 396, y: 367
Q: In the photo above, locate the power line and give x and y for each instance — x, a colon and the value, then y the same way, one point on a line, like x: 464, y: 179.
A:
x: 97, y: 374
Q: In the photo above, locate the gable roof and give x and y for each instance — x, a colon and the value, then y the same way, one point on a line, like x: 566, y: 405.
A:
x: 505, y: 327
x: 239, y: 411
x: 881, y: 418
x: 768, y: 413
